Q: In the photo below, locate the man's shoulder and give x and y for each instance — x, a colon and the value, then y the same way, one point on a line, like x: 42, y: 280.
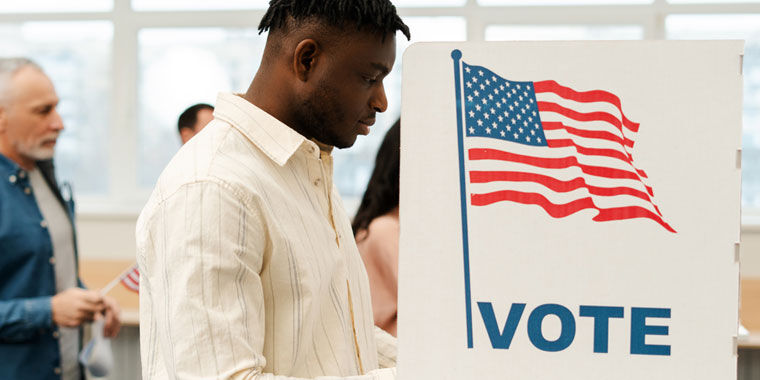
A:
x: 219, y: 156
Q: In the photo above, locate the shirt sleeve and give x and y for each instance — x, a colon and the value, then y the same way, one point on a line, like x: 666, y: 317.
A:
x: 22, y: 319
x: 200, y: 262
x: 386, y: 348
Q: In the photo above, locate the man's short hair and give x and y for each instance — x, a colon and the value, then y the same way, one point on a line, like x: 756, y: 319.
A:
x: 8, y: 68
x: 188, y: 118
x: 372, y: 15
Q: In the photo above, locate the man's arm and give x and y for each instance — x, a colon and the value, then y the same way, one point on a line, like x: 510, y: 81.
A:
x: 200, y: 252
x: 24, y: 319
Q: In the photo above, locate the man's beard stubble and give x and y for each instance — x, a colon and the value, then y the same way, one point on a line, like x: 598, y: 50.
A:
x: 319, y: 116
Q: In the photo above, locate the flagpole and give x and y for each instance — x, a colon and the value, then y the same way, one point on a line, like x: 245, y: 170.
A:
x: 456, y: 54
x: 116, y: 280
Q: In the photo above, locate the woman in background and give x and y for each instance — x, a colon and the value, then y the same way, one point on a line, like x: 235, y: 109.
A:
x: 376, y: 229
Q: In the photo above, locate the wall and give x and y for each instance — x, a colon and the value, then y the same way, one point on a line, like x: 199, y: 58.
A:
x: 113, y: 237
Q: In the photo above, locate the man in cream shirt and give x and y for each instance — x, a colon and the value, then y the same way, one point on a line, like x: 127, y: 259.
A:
x: 249, y: 269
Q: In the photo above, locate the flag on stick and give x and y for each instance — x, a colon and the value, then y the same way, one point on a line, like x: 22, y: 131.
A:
x: 541, y: 143
x: 130, y: 278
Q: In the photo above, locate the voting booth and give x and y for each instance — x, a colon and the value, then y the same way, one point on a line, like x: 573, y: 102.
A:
x: 570, y: 210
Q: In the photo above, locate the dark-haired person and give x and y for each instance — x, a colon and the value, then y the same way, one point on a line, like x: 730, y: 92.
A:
x: 248, y: 265
x: 193, y: 119
x: 376, y: 228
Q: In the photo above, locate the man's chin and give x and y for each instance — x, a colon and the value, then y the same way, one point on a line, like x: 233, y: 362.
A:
x: 41, y: 154
x: 346, y: 144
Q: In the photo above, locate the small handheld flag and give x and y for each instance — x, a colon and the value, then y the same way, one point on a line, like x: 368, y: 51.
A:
x: 130, y: 278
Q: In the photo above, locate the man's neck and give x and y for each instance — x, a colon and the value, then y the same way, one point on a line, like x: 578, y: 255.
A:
x: 274, y: 102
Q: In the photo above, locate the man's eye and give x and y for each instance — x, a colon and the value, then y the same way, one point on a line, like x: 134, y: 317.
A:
x: 370, y: 80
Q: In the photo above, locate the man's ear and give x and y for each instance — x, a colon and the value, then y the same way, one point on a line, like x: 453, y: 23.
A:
x: 305, y: 58
x: 185, y: 134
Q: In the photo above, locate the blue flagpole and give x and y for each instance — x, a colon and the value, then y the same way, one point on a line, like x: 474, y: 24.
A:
x: 457, y: 56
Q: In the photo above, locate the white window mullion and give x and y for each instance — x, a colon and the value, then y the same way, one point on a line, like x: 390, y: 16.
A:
x: 123, y: 136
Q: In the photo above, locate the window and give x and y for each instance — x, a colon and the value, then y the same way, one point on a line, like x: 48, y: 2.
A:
x: 732, y: 26
x: 181, y: 67
x: 563, y: 32
x: 39, y: 6
x: 197, y: 5
x: 125, y: 70
x: 561, y: 2
x: 77, y: 57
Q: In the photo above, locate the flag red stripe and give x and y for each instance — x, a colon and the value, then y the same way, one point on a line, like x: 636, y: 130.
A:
x: 612, y: 153
x: 563, y: 210
x: 130, y: 284
x: 555, y: 184
x: 132, y: 280
x: 550, y: 163
x: 554, y: 125
x: 585, y: 97
x: 580, y: 116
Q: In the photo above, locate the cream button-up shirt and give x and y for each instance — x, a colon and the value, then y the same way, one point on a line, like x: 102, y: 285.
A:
x: 248, y: 266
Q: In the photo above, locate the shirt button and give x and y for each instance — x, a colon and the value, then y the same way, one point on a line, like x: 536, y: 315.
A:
x: 12, y: 178
x: 52, y: 261
x: 27, y: 191
x: 57, y: 370
x: 316, y: 182
x: 43, y: 223
x: 22, y: 174
x: 56, y: 334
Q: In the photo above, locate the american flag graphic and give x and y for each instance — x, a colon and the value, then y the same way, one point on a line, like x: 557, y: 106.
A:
x: 131, y: 280
x: 544, y: 144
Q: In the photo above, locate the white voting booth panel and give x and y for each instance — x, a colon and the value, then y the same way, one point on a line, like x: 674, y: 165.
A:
x: 570, y: 210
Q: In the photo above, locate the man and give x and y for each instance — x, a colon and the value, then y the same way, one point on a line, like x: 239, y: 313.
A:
x: 193, y: 119
x: 249, y: 267
x: 42, y: 301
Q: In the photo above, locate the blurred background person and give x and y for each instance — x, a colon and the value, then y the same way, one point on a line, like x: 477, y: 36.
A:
x: 376, y: 228
x: 193, y: 119
x: 43, y: 303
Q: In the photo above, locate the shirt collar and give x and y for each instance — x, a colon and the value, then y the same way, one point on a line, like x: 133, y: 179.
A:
x: 278, y: 141
x: 8, y: 168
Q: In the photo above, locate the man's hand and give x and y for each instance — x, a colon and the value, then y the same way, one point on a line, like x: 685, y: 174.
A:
x: 112, y: 316
x: 74, y: 306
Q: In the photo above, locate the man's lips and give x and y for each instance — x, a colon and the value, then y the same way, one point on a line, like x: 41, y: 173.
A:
x: 365, y: 124
x: 49, y: 141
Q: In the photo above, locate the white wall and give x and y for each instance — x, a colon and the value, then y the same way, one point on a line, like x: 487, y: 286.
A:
x: 113, y: 237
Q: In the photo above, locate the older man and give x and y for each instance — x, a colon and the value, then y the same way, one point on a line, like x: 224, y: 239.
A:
x: 248, y: 263
x: 42, y: 302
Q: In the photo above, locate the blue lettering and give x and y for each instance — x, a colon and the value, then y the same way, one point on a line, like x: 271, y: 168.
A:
x: 639, y: 331
x: 566, y: 336
x: 502, y: 339
x: 601, y: 315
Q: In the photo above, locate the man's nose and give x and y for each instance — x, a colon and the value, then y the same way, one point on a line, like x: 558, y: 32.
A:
x: 379, y: 102
x: 56, y: 122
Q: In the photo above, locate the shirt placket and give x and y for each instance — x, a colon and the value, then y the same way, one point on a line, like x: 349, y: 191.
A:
x: 320, y: 174
x: 323, y: 178
x: 325, y: 160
